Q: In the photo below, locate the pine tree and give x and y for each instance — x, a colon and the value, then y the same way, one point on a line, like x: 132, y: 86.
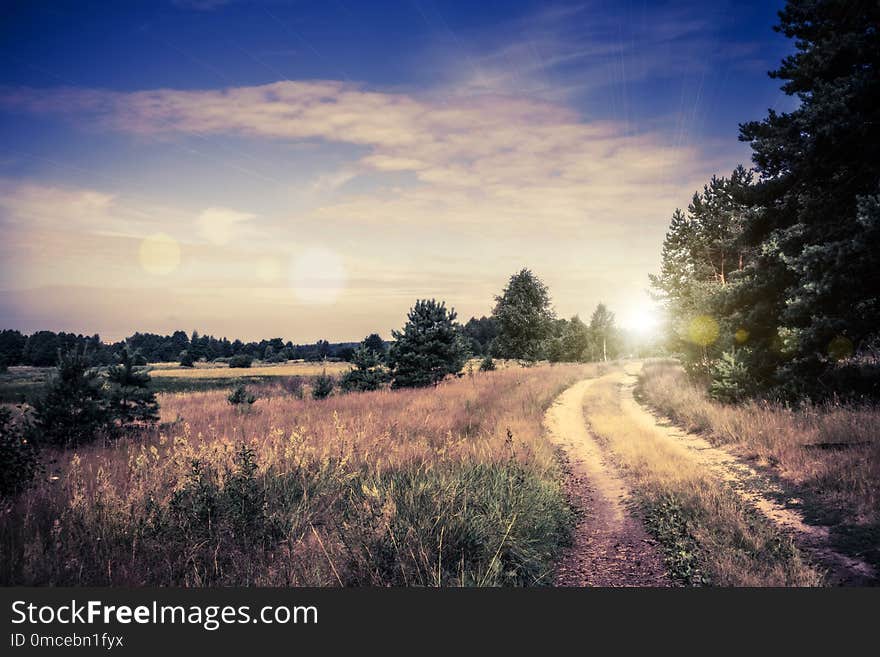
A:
x: 131, y: 400
x: 375, y: 343
x: 429, y: 347
x: 73, y: 409
x: 368, y: 372
x: 816, y: 275
x: 524, y: 318
x: 323, y: 386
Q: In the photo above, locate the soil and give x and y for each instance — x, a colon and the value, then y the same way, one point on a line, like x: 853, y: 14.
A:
x: 611, y: 547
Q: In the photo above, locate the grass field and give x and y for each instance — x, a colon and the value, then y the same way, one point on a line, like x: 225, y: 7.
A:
x: 223, y: 371
x: 828, y: 456
x: 452, y: 485
x: 23, y: 383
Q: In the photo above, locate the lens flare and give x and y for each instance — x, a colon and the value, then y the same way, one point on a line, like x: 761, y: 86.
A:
x: 318, y: 276
x: 840, y: 348
x: 741, y: 335
x: 703, y: 330
x: 268, y: 270
x: 159, y: 254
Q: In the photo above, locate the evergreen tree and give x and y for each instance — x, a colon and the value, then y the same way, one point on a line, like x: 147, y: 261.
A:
x: 368, y: 372
x: 130, y: 398
x: 703, y: 259
x: 816, y: 277
x: 524, y: 318
x: 429, y: 347
x: 323, y: 386
x: 375, y: 343
x: 73, y: 409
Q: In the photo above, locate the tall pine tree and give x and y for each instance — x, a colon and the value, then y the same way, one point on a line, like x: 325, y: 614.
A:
x: 815, y: 280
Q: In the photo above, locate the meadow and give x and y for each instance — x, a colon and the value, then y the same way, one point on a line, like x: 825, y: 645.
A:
x: 452, y: 485
x: 23, y: 383
x: 827, y: 456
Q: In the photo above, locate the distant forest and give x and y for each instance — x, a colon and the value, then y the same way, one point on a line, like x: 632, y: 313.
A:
x: 41, y: 349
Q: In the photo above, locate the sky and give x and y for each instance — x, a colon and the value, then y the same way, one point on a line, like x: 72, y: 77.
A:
x: 309, y: 169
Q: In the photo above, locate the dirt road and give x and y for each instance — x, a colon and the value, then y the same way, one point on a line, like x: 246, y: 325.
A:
x: 754, y: 488
x: 610, y: 548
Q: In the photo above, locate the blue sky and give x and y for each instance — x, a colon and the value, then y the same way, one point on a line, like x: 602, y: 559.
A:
x: 319, y: 165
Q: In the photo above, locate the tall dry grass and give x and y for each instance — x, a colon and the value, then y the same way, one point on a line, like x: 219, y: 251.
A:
x: 452, y: 485
x: 829, y: 455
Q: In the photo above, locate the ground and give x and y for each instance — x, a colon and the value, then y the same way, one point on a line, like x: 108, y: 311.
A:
x: 611, y: 546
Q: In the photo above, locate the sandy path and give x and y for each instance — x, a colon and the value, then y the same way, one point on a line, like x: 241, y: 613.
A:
x: 756, y: 489
x: 610, y: 547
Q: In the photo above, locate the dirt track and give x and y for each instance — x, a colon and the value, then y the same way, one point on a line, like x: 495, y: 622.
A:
x: 757, y: 490
x: 610, y: 548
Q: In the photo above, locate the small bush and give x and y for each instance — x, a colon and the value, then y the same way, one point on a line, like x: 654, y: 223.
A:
x: 19, y: 461
x: 323, y: 386
x: 186, y: 359
x: 731, y: 381
x: 240, y: 360
x: 294, y: 385
x: 240, y: 397
x: 487, y: 364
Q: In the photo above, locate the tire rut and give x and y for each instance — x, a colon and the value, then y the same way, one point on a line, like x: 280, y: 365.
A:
x: 610, y: 546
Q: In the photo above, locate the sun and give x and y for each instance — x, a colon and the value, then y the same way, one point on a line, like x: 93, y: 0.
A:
x: 643, y: 318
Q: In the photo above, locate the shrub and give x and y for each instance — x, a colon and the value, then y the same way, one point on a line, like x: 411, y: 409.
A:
x: 131, y: 401
x: 19, y: 460
x: 240, y: 360
x: 730, y: 378
x: 487, y: 364
x: 294, y: 385
x: 323, y: 386
x: 241, y: 397
x: 186, y: 359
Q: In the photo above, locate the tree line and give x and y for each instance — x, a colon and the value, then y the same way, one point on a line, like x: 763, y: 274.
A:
x: 771, y: 277
x: 41, y: 348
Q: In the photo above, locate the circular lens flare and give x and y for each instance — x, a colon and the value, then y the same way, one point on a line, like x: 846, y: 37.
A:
x: 159, y: 254
x: 318, y: 276
x: 703, y: 330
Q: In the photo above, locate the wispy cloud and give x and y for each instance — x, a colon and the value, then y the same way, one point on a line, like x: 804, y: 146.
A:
x: 512, y: 159
x: 489, y: 182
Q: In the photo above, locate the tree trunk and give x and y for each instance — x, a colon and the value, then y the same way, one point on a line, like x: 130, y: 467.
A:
x: 604, y: 353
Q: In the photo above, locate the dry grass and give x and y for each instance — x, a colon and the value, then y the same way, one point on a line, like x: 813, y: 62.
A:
x: 222, y: 370
x: 828, y: 455
x: 708, y: 534
x: 453, y: 485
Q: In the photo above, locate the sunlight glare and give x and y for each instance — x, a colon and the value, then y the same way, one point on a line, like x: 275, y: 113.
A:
x: 318, y: 276
x: 642, y: 319
x: 159, y: 254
